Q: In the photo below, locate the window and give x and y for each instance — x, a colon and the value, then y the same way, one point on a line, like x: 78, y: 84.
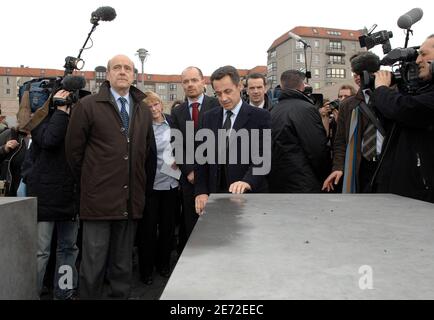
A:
x: 163, y: 97
x: 272, y: 67
x: 100, y: 75
x: 316, y: 85
x: 316, y: 44
x: 299, y: 57
x: 353, y: 46
x: 172, y: 97
x: 335, y: 73
x: 161, y: 87
x: 315, y: 30
x: 336, y: 60
x: 7, y: 80
x: 272, y: 79
x: 273, y: 54
x: 334, y: 33
x: 149, y: 87
x: 299, y: 45
x: 330, y: 84
x: 173, y: 87
x: 315, y: 58
x: 316, y: 73
x: 335, y: 45
x: 8, y: 91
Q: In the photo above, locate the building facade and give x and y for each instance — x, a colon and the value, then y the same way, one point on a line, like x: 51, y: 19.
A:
x: 168, y: 87
x: 328, y: 56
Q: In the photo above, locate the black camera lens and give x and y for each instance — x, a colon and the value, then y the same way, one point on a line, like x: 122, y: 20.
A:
x: 334, y: 104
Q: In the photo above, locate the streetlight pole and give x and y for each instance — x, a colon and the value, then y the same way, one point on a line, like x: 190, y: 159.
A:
x: 143, y: 54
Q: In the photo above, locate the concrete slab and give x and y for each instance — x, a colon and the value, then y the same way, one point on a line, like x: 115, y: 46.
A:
x: 18, y: 245
x: 300, y: 246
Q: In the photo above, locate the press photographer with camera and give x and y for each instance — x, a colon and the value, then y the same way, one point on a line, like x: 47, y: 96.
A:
x: 407, y: 165
x: 330, y: 111
x: 358, y: 137
x: 52, y: 183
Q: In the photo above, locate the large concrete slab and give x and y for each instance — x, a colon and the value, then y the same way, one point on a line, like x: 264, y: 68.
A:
x: 18, y: 243
x: 297, y: 246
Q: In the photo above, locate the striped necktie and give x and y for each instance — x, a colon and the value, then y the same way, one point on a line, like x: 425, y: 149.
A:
x: 124, y: 114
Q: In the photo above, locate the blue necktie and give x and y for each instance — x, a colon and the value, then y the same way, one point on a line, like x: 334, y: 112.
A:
x: 124, y: 114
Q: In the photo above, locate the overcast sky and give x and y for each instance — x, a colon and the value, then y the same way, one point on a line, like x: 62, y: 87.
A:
x: 179, y: 33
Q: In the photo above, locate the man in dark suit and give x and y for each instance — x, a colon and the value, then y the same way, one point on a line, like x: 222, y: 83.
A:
x: 231, y: 172
x: 186, y: 118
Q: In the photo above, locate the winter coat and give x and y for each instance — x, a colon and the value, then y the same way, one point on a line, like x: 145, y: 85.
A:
x: 51, y: 180
x: 10, y: 163
x: 300, y: 155
x: 109, y: 163
x: 407, y: 166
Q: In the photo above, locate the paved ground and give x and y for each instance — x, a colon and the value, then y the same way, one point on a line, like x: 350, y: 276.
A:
x: 140, y: 291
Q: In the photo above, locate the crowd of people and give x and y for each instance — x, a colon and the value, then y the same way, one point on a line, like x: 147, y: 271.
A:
x: 109, y: 175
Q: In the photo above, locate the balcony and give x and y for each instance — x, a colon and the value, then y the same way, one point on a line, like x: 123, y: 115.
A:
x: 335, y: 50
x: 340, y: 63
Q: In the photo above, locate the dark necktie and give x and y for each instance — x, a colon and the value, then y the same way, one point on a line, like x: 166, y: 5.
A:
x: 124, y: 114
x: 223, y: 168
x: 195, y: 113
x: 369, y: 143
x: 228, y: 123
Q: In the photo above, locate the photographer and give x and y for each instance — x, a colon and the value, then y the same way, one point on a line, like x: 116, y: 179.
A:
x: 358, y: 140
x: 13, y: 144
x: 330, y: 111
x: 406, y: 167
x: 52, y: 183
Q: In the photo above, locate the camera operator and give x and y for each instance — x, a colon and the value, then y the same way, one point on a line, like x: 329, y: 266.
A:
x: 358, y: 140
x: 52, y: 183
x: 13, y: 146
x: 406, y: 167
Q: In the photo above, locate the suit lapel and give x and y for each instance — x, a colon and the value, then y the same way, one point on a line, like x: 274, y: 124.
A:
x: 242, y: 117
x: 185, y: 112
x: 205, y: 104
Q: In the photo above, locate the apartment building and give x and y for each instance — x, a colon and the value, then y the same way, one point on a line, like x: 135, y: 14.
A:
x: 328, y: 56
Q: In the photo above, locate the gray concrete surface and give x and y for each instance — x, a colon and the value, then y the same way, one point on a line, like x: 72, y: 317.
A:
x: 308, y: 247
x: 18, y: 243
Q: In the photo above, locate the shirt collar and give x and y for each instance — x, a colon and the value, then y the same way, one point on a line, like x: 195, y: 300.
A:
x: 200, y: 100
x: 260, y: 106
x: 236, y: 109
x: 367, y: 95
x: 161, y: 123
x: 117, y: 96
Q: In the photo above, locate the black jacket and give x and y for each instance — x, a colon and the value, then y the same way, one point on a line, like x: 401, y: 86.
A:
x: 10, y: 163
x: 300, y: 156
x: 208, y: 174
x: 180, y: 116
x: 407, y: 166
x: 268, y: 104
x: 51, y: 180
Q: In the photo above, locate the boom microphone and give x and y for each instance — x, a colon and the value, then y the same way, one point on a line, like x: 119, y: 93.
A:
x: 104, y: 14
x: 72, y: 83
x: 410, y: 18
x: 298, y: 38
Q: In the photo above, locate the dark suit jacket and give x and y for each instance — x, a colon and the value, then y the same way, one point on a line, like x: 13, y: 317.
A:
x: 208, y: 175
x: 180, y: 116
x: 151, y: 161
